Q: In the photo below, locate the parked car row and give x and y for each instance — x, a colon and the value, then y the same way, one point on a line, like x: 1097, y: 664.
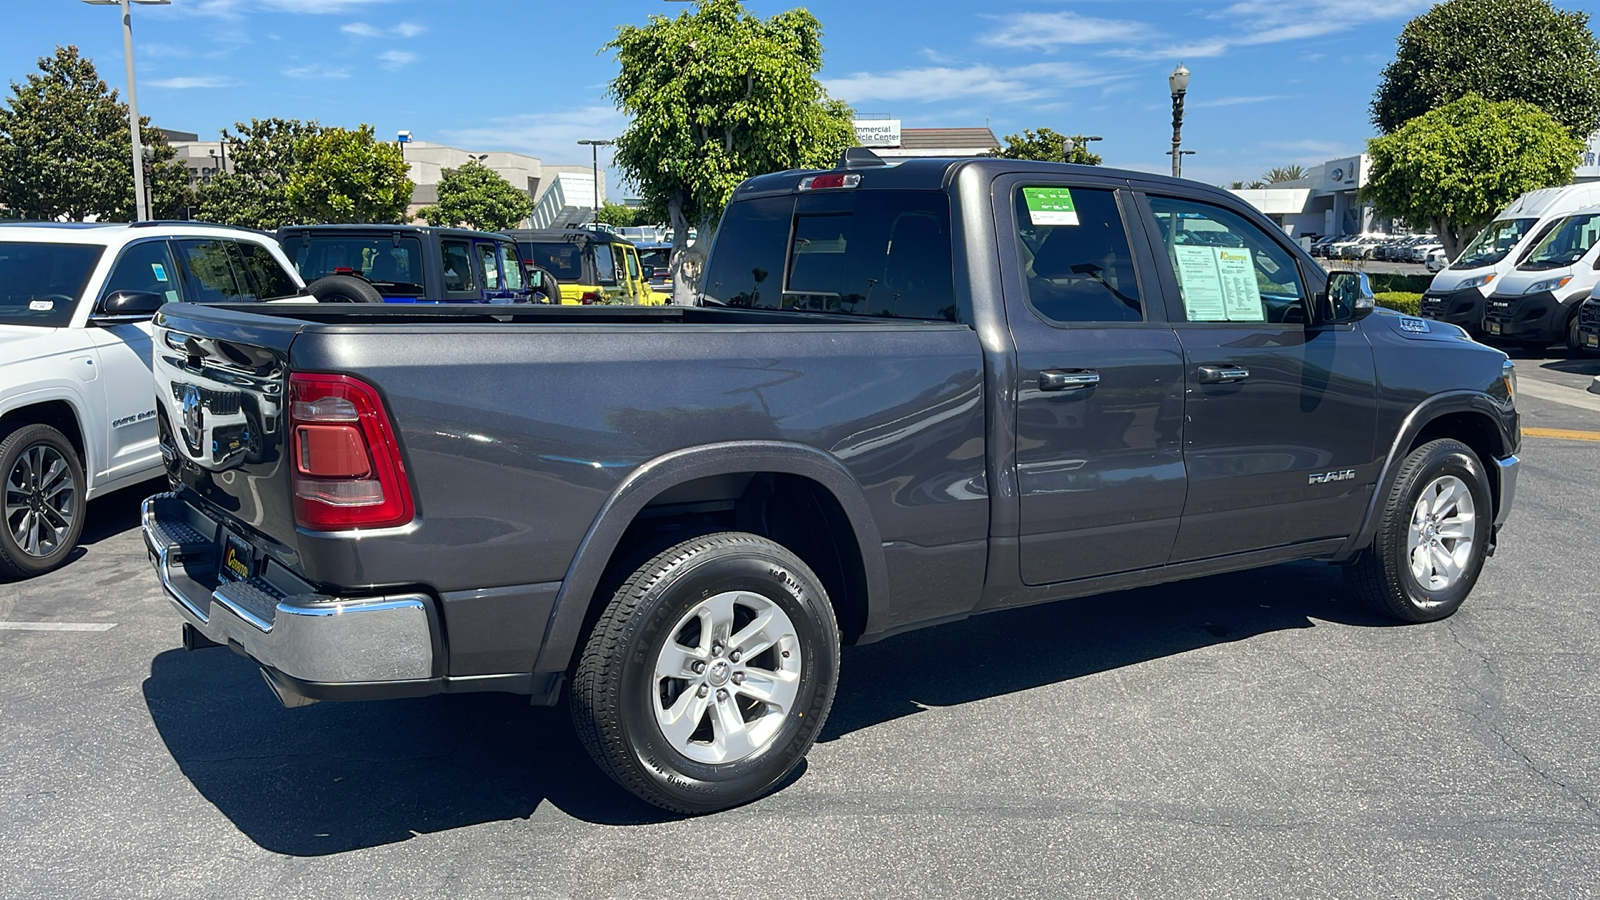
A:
x: 1388, y: 247
x: 1525, y: 276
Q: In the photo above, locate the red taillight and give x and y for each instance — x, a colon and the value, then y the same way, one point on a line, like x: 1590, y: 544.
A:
x: 346, y: 464
x: 590, y: 298
x: 836, y: 180
x: 343, y: 270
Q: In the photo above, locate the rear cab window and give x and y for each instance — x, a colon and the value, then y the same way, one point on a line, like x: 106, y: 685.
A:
x: 395, y: 268
x: 564, y: 260
x: 868, y: 253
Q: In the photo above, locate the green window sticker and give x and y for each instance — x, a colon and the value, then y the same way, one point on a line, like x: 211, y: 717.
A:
x: 1050, y: 206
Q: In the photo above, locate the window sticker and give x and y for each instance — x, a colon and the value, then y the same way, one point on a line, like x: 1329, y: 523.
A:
x: 1050, y: 206
x: 159, y: 271
x: 41, y: 305
x: 1218, y: 284
x: 172, y: 296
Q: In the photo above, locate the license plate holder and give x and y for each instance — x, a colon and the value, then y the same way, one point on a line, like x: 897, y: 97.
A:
x: 240, y: 562
x: 1494, y: 327
x: 1592, y: 340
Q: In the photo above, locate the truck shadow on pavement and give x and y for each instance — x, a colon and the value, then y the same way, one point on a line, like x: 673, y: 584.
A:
x: 335, y: 777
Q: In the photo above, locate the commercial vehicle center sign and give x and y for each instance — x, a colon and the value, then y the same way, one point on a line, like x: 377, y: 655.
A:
x: 877, y: 132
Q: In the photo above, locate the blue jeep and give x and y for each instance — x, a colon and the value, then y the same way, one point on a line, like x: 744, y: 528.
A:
x: 411, y: 264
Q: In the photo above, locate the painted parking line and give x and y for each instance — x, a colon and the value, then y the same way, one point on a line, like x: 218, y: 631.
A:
x: 57, y: 626
x: 1561, y: 434
x: 1559, y: 393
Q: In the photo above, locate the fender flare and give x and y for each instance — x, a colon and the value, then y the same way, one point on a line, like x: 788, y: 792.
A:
x: 76, y: 403
x: 649, y: 480
x: 1418, y: 419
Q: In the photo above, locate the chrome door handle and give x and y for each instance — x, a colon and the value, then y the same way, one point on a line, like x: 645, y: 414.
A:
x: 1067, y: 379
x: 1223, y: 374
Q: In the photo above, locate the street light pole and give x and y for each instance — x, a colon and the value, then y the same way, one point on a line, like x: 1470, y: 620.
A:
x: 141, y: 205
x: 1071, y: 144
x: 594, y: 152
x: 1179, y: 82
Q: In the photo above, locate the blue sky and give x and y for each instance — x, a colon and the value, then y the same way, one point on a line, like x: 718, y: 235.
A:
x: 1275, y: 81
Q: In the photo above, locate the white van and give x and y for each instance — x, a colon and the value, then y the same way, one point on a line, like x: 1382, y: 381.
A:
x: 1537, y: 302
x: 1458, y: 291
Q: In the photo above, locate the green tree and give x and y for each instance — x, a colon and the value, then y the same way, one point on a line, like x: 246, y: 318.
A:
x: 1047, y: 145
x: 64, y: 148
x: 476, y: 196
x: 616, y: 215
x: 1456, y: 167
x: 261, y: 157
x: 1500, y: 50
x: 348, y: 176
x: 1280, y: 174
x: 715, y: 96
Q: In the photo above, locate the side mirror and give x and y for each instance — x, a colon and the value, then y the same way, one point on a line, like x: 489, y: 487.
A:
x: 128, y: 306
x: 1347, y: 299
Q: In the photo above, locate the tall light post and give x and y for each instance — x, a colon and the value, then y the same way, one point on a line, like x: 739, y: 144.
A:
x: 1179, y: 82
x: 141, y: 204
x: 594, y: 151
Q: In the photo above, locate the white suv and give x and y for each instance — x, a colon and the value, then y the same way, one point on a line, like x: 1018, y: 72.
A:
x: 77, y: 415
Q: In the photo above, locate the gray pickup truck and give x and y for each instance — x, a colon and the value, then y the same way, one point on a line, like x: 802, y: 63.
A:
x: 910, y: 394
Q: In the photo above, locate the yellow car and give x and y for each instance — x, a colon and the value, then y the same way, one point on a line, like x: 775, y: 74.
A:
x: 593, y: 266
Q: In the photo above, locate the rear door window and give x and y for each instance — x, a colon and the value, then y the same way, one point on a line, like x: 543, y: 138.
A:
x: 458, y: 272
x: 510, y: 266
x: 210, y: 269
x: 605, y: 264
x: 266, y: 274
x: 1075, y: 255
x: 491, y: 266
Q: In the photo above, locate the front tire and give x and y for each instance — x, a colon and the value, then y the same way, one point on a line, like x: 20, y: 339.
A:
x: 1433, y: 537
x: 710, y: 673
x: 42, y: 501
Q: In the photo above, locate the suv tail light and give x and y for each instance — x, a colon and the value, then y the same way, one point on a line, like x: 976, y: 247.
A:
x: 345, y: 460
x: 590, y: 298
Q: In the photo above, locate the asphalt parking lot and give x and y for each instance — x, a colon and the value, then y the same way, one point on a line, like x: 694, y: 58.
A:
x: 1248, y: 735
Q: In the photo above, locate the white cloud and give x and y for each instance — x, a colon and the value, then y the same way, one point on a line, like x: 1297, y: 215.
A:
x: 551, y: 136
x: 312, y: 70
x: 397, y: 59
x: 191, y: 81
x: 363, y: 29
x: 1044, y: 31
x: 1008, y: 84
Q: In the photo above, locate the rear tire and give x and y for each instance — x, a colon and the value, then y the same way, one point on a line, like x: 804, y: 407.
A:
x: 42, y: 501
x: 1432, y: 538
x: 343, y: 289
x: 709, y: 674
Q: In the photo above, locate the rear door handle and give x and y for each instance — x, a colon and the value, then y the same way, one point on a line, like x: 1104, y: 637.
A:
x: 1067, y: 379
x: 1223, y: 374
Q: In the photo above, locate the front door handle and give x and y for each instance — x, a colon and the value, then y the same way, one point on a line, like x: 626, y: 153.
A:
x: 1067, y: 379
x: 1223, y: 374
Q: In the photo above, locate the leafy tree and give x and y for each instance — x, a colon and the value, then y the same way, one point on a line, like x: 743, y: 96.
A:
x: 476, y: 196
x: 1047, y: 145
x: 64, y: 148
x: 718, y: 95
x: 1280, y: 174
x: 261, y: 159
x: 1501, y: 50
x: 1456, y: 167
x: 617, y: 215
x: 348, y: 176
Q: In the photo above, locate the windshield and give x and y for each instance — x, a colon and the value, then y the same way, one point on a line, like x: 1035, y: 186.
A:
x: 563, y: 259
x: 40, y: 283
x: 1493, y: 243
x: 1566, y: 243
x: 394, y: 268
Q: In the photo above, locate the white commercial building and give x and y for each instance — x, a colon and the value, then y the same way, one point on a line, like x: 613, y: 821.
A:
x: 887, y: 139
x: 1326, y: 201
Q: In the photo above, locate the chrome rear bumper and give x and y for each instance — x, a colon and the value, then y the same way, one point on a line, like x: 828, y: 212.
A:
x: 321, y: 643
